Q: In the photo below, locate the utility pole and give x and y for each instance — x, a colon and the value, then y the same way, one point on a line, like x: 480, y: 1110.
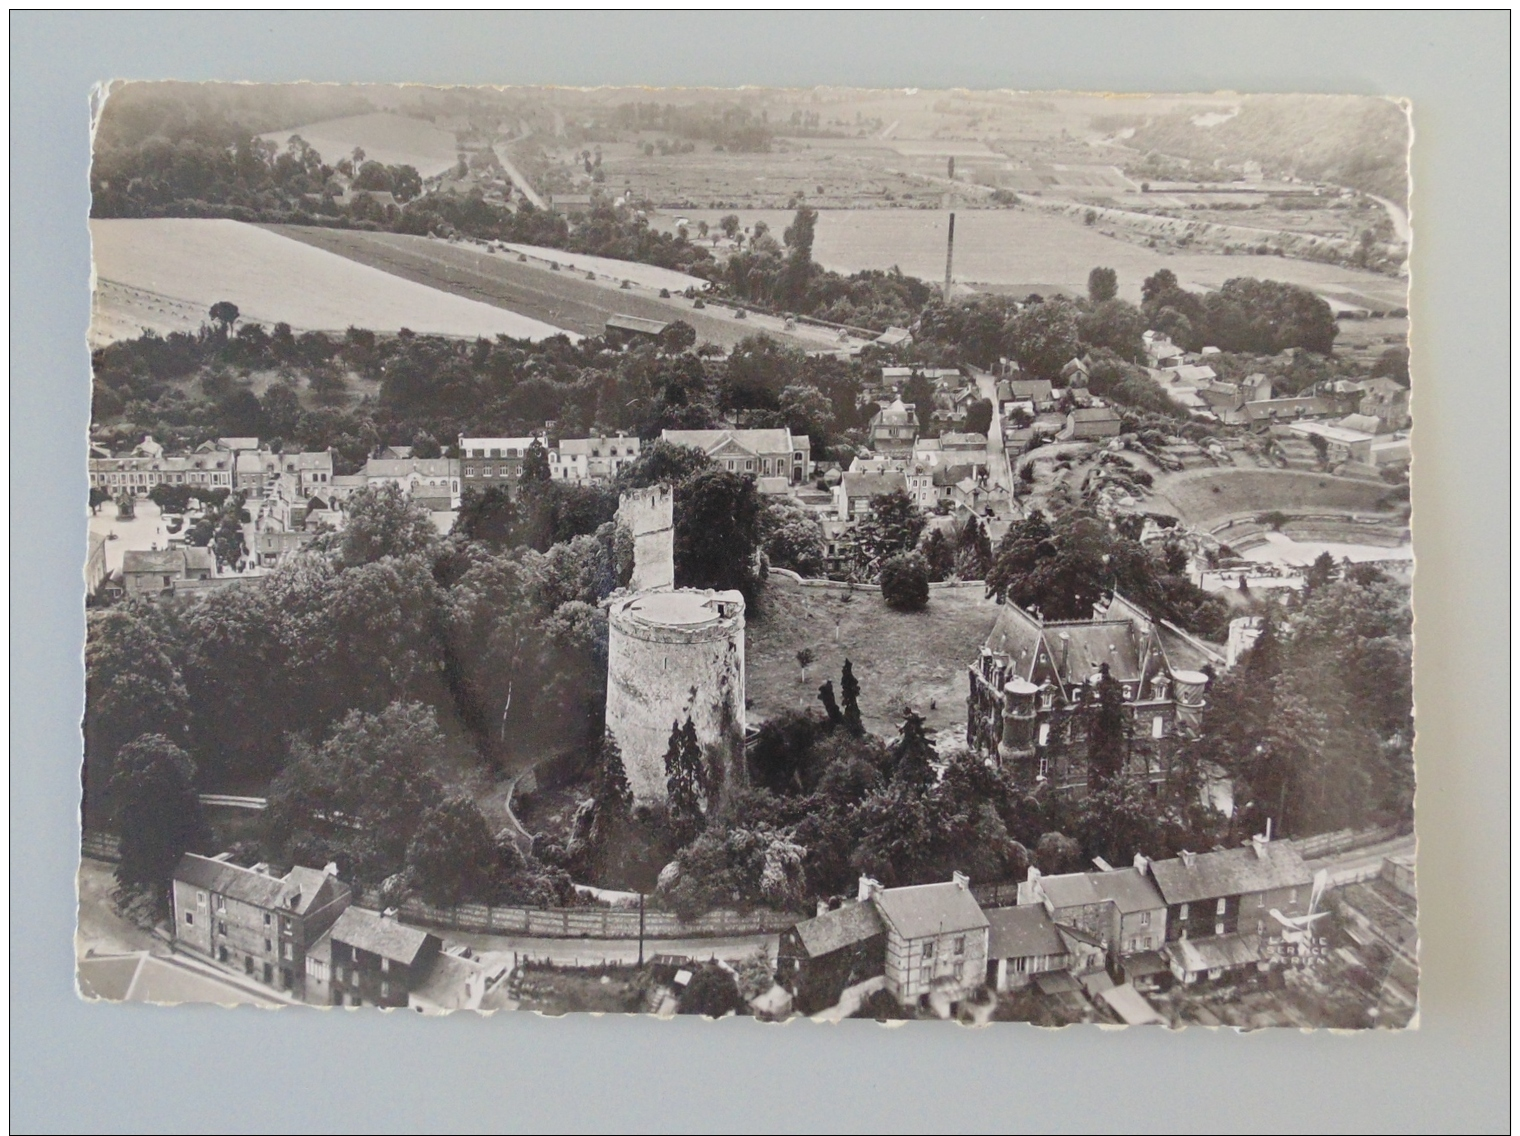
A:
x: 641, y: 930
x: 950, y: 243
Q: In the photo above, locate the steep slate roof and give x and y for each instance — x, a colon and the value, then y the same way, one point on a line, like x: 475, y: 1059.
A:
x: 308, y: 887
x: 1022, y: 932
x: 1075, y: 889
x: 849, y: 924
x: 1092, y: 643
x: 895, y: 414
x: 1128, y: 889
x: 873, y: 484
x: 372, y: 932
x: 1035, y: 390
x: 930, y: 909
x: 953, y: 474
x: 1235, y: 871
x: 199, y: 558
x: 155, y: 561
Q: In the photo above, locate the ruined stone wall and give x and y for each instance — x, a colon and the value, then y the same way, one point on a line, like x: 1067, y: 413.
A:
x: 649, y: 516
x: 658, y: 674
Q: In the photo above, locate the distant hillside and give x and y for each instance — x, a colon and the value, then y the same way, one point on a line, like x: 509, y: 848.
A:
x: 217, y: 113
x: 1357, y: 142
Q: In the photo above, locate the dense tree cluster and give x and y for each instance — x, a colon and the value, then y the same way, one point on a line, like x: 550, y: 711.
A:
x: 783, y: 275
x: 1260, y: 317
x: 1066, y: 564
x: 1316, y: 721
x: 430, y: 390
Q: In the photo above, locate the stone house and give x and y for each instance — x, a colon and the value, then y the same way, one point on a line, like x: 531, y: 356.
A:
x: 597, y: 459
x: 893, y: 428
x: 762, y: 452
x: 154, y: 572
x: 377, y: 960
x: 820, y: 957
x: 1233, y: 891
x: 252, y: 921
x: 1023, y: 942
x: 1086, y: 423
x: 852, y: 496
x: 936, y: 938
x: 485, y: 462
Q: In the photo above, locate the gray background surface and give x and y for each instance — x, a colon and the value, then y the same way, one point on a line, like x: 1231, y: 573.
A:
x: 77, y: 1067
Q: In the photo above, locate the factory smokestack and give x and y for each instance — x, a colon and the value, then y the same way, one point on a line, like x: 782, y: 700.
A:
x: 949, y: 257
x: 950, y: 243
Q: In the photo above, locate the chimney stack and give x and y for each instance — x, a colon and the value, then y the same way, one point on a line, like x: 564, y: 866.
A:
x: 961, y: 880
x: 868, y: 888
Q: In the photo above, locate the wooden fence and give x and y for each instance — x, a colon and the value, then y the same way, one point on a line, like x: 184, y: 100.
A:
x: 101, y: 846
x: 593, y: 922
x: 1342, y: 840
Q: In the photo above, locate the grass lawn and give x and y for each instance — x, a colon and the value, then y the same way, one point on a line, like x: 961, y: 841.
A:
x: 901, y: 658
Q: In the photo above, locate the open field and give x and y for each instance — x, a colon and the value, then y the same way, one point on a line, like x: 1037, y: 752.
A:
x: 391, y: 139
x: 1206, y: 497
x: 563, y: 298
x: 901, y: 658
x: 271, y: 279
x: 647, y: 275
x: 1022, y: 249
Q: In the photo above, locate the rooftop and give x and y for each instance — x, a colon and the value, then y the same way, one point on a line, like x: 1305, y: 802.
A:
x: 930, y: 909
x: 1215, y: 953
x: 847, y: 925
x: 1022, y: 932
x: 1128, y: 889
x: 379, y: 935
x: 873, y: 484
x: 636, y: 324
x: 1235, y: 871
x: 298, y: 891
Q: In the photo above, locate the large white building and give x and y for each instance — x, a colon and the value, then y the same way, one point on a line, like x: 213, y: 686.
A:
x: 764, y: 453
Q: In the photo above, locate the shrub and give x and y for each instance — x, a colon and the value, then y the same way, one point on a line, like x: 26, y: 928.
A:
x: 712, y: 992
x: 905, y: 582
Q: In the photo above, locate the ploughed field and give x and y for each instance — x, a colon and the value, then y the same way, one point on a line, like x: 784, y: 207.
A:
x: 563, y: 298
x: 158, y: 273
x: 901, y: 658
x: 1025, y: 250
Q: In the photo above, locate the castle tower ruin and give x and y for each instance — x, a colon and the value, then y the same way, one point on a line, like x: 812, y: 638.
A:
x: 672, y: 654
x: 649, y: 516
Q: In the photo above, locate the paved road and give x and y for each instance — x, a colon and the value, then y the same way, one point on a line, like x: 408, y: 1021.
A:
x: 524, y: 186
x: 593, y: 952
x: 999, y: 472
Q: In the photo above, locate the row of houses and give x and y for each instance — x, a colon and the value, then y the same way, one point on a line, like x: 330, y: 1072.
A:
x: 1197, y: 917
x: 301, y: 934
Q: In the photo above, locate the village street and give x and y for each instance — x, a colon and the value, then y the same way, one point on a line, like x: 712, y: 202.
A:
x: 999, y: 472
